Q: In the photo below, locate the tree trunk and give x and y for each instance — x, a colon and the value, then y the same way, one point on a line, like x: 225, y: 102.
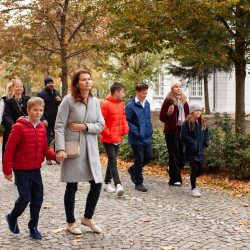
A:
x: 64, y: 76
x: 205, y: 78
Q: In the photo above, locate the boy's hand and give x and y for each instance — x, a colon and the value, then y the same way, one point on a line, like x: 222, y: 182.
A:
x: 8, y: 177
x: 61, y: 156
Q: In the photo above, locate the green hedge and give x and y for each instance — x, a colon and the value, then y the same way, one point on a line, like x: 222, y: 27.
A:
x: 228, y: 152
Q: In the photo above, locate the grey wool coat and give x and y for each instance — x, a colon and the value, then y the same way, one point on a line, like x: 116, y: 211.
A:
x: 87, y: 166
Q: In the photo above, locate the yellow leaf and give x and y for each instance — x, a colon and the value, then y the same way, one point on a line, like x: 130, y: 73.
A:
x: 59, y: 230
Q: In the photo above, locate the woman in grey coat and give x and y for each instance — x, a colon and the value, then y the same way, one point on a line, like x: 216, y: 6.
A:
x: 73, y: 111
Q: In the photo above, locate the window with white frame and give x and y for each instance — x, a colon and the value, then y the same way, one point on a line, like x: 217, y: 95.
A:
x: 196, y: 88
x: 159, y: 85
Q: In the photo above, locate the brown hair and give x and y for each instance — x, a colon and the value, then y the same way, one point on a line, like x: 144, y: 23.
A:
x: 116, y: 86
x: 75, y: 92
x: 141, y: 86
x: 35, y: 101
x: 191, y: 122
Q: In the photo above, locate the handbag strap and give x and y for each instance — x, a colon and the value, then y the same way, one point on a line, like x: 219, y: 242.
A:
x: 85, y: 119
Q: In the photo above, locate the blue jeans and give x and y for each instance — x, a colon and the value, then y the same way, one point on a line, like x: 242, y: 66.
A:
x: 30, y: 188
x: 92, y: 199
x: 143, y: 154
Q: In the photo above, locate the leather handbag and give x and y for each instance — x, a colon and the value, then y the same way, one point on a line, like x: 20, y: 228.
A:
x: 73, y: 148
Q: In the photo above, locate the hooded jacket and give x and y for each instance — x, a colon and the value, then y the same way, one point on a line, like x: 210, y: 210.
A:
x: 26, y: 147
x: 139, y: 121
x: 115, y: 120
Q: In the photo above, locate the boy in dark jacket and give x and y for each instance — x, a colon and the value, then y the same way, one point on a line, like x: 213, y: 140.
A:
x: 140, y: 129
x: 24, y: 153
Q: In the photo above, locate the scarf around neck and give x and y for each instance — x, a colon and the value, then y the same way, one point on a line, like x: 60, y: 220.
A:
x: 181, y: 115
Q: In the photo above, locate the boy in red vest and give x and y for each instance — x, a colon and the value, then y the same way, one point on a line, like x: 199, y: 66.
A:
x: 115, y: 126
x: 25, y: 151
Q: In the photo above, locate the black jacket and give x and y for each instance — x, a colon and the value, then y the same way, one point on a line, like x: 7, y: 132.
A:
x: 12, y: 111
x: 194, y: 141
x: 51, y: 105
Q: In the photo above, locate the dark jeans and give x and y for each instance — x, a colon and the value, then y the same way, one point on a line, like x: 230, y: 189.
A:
x: 197, y: 169
x: 112, y: 171
x: 30, y: 188
x: 49, y: 129
x: 92, y: 199
x: 176, y: 157
x: 143, y: 154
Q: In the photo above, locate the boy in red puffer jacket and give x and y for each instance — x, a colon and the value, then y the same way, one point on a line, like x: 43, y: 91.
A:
x: 115, y: 126
x: 25, y: 151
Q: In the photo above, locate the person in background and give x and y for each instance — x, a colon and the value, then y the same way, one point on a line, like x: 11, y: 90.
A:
x: 115, y: 126
x: 173, y: 113
x: 140, y: 130
x: 194, y: 136
x: 75, y: 108
x: 24, y: 153
x: 15, y: 107
x: 52, y: 100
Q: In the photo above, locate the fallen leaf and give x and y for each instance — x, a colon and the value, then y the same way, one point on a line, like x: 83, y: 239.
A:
x: 131, y: 240
x: 187, y: 228
x: 79, y: 236
x: 59, y: 230
x: 76, y: 199
x: 167, y: 248
x: 146, y: 220
x: 245, y: 205
x: 77, y: 240
x: 46, y: 207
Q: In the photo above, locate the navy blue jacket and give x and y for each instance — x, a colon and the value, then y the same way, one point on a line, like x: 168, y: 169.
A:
x: 139, y: 121
x: 51, y: 105
x: 194, y: 141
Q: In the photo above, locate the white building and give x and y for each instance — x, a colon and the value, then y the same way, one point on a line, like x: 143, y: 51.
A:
x: 221, y: 88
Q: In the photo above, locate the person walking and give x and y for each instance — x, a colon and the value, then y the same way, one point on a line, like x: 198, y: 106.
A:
x: 194, y: 136
x: 76, y: 107
x: 140, y: 130
x: 15, y: 107
x: 115, y: 126
x: 52, y: 100
x: 24, y: 153
x: 173, y: 113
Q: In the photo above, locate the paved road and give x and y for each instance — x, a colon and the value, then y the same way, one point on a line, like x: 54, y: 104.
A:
x: 165, y: 216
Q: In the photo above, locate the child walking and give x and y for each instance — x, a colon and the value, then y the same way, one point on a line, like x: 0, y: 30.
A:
x: 25, y: 151
x: 115, y: 126
x: 194, y: 135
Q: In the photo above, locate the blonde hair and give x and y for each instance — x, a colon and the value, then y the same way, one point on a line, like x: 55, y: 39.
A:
x: 35, y: 101
x: 175, y: 82
x: 7, y: 93
x: 191, y: 122
x: 16, y: 81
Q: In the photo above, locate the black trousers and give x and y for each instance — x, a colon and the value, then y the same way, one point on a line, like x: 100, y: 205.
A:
x: 176, y: 157
x: 30, y: 188
x: 6, y: 135
x: 197, y: 169
x: 91, y: 201
x: 111, y: 171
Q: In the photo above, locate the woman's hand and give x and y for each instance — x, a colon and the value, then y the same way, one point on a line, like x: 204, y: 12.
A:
x: 77, y: 127
x: 170, y: 110
x: 60, y: 156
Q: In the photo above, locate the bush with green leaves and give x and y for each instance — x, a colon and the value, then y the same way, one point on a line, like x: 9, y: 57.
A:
x: 228, y: 152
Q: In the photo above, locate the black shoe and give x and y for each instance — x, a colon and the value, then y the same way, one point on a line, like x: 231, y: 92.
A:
x: 132, y: 177
x: 35, y: 234
x: 13, y: 226
x: 140, y: 187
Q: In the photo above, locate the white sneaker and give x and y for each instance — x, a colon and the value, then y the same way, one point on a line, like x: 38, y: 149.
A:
x: 119, y: 190
x: 189, y: 182
x: 177, y: 183
x: 108, y: 187
x: 195, y: 192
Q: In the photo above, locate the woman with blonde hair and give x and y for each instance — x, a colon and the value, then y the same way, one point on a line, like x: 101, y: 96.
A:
x: 173, y: 113
x: 8, y: 94
x: 15, y: 107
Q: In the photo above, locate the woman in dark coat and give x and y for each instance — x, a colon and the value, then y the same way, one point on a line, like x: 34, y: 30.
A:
x: 15, y: 107
x: 173, y: 113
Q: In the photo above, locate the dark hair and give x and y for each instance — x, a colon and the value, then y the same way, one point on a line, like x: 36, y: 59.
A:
x: 116, y: 86
x: 141, y: 86
x: 75, y: 92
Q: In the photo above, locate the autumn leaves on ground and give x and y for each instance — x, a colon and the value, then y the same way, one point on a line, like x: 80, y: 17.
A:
x: 222, y: 182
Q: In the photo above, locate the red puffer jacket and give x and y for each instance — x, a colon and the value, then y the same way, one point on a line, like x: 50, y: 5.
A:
x: 26, y: 147
x: 115, y: 120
